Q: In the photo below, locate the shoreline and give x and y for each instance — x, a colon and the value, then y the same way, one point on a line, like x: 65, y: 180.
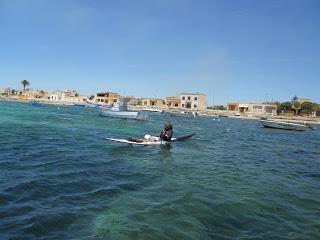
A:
x: 204, y: 113
x: 230, y: 114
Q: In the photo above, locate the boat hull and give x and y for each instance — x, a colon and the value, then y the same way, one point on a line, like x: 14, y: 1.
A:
x: 123, y: 114
x: 283, y: 125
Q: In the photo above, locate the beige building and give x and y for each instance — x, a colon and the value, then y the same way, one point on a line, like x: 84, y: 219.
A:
x: 253, y: 108
x: 106, y: 98
x: 172, y: 102
x: 153, y: 102
x: 11, y: 93
x: 32, y: 94
x: 193, y: 101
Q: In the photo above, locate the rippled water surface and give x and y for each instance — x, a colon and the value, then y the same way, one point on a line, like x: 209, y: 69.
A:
x: 60, y: 178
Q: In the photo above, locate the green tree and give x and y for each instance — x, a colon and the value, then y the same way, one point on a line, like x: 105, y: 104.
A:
x: 286, y: 106
x: 219, y: 107
x: 24, y: 84
x: 309, y: 107
x: 317, y: 107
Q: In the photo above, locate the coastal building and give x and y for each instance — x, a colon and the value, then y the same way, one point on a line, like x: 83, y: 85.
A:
x: 106, y: 98
x: 252, y: 108
x: 2, y: 92
x: 134, y: 101
x: 172, y: 102
x: 10, y: 91
x: 32, y: 94
x: 193, y: 101
x: 153, y: 102
x: 65, y: 96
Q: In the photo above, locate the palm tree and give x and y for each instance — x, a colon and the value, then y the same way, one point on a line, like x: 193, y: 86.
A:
x: 296, y: 106
x: 25, y: 83
x: 294, y: 99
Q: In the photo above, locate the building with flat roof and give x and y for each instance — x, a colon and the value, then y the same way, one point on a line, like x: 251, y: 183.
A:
x: 172, y: 102
x: 65, y: 96
x: 252, y: 108
x: 153, y: 102
x: 106, y: 98
x: 193, y: 101
x: 32, y: 94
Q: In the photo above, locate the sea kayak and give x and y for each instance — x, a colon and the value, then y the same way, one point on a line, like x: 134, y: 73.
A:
x: 149, y: 141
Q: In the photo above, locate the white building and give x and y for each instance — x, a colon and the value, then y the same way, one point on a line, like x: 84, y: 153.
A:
x: 65, y: 96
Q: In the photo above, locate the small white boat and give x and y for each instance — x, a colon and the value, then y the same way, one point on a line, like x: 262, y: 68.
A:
x: 120, y: 111
x: 283, y: 125
x: 123, y: 114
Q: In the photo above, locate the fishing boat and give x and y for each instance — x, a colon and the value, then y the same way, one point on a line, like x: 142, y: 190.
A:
x: 283, y: 125
x: 120, y: 110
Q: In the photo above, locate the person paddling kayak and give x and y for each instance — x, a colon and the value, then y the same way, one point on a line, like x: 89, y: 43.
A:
x: 166, y: 133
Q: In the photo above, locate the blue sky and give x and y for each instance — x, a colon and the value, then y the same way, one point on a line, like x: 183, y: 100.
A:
x: 236, y: 50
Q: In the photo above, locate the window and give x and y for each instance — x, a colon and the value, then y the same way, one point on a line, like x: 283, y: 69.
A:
x: 195, y: 98
x: 182, y: 105
x: 176, y: 105
x: 189, y: 98
x: 183, y: 98
x: 195, y: 106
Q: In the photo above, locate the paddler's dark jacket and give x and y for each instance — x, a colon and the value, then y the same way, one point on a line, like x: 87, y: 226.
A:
x: 166, y: 135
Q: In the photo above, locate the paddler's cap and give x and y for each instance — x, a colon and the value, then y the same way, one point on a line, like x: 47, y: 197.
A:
x: 167, y: 126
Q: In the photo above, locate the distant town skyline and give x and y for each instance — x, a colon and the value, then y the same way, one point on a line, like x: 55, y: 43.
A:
x: 245, y: 51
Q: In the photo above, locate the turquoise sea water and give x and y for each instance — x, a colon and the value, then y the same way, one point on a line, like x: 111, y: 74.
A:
x: 60, y: 178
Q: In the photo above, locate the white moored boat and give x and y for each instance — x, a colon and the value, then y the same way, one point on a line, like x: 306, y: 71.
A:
x: 121, y: 111
x: 123, y: 114
x: 283, y: 125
